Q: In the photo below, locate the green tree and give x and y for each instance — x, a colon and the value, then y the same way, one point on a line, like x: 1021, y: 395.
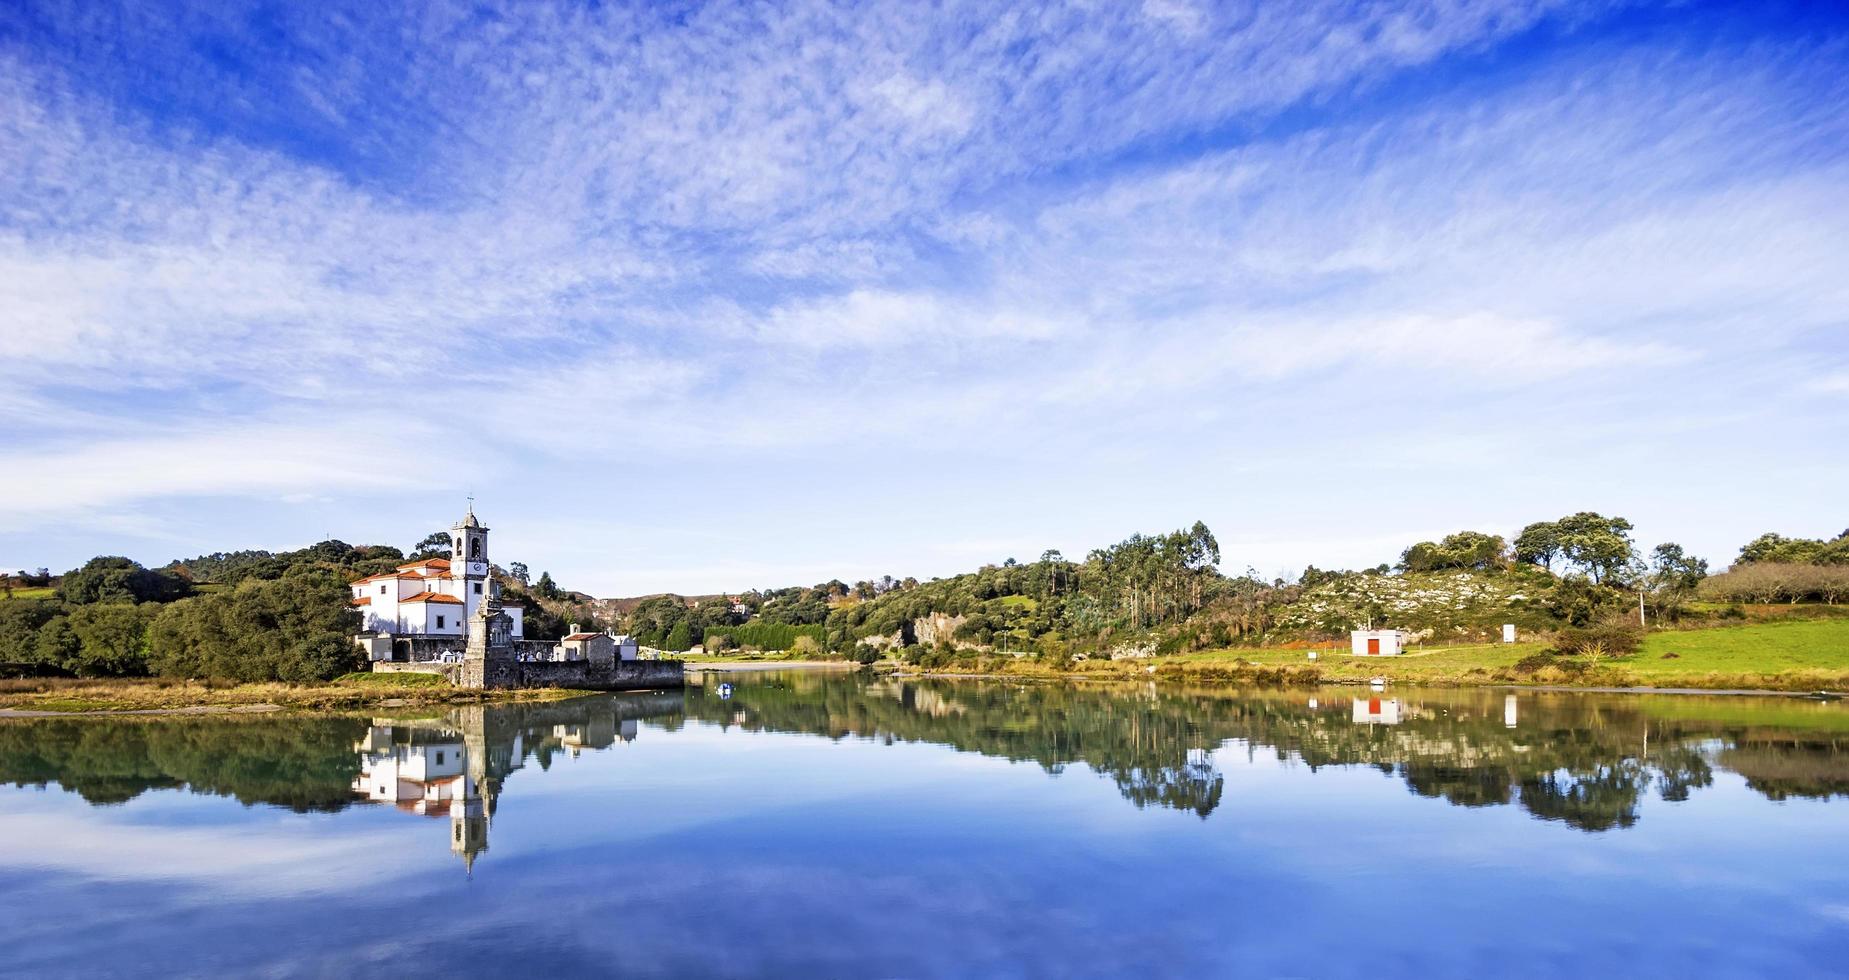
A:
x: 112, y: 578
x: 57, y: 645
x: 1596, y: 545
x: 436, y: 544
x: 545, y: 588
x: 112, y: 639
x: 20, y: 622
x: 680, y: 637
x: 297, y: 628
x: 1770, y: 548
x: 1538, y: 544
x: 518, y: 571
x: 1464, y: 550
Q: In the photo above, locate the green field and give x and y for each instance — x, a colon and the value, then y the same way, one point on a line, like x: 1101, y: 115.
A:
x: 1762, y: 648
x: 1796, y: 655
x: 34, y: 592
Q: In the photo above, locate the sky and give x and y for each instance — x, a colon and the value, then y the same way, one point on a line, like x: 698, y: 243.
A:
x: 703, y: 297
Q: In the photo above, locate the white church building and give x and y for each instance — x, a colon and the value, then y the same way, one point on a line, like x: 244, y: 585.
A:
x: 435, y: 597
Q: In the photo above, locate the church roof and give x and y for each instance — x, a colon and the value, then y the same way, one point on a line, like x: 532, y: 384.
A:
x: 583, y: 636
x: 434, y: 597
x: 427, y: 563
x: 401, y: 576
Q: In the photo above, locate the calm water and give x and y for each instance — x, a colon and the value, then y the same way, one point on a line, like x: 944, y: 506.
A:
x: 817, y: 825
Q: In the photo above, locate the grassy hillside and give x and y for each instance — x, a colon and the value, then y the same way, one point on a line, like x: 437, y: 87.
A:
x: 1786, y: 656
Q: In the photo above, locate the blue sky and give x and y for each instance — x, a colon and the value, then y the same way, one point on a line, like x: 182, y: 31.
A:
x: 702, y: 297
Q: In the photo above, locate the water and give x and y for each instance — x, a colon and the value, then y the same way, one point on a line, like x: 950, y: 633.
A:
x: 826, y: 825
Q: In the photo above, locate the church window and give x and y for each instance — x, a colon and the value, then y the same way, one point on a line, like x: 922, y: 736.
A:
x: 381, y: 590
x: 478, y: 588
x: 439, y: 622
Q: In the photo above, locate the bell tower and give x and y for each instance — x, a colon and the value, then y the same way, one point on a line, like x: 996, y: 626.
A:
x: 468, y: 561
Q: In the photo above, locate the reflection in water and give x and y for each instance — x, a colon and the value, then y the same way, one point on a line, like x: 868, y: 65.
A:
x: 456, y: 767
x: 1583, y: 759
x: 786, y: 832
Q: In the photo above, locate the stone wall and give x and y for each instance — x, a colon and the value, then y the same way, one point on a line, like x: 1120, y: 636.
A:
x: 451, y: 672
x: 619, y: 675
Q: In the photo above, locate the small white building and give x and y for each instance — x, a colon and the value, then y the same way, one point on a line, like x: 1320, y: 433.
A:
x: 1379, y: 643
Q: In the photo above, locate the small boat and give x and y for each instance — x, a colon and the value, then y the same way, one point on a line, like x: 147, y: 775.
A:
x: 1377, y: 683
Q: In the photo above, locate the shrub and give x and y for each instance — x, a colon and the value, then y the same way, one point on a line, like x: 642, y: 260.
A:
x: 1534, y: 662
x: 1608, y: 637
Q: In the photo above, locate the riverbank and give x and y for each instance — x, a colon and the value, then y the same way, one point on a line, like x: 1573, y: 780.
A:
x: 751, y: 666
x: 57, y: 696
x: 1800, y: 656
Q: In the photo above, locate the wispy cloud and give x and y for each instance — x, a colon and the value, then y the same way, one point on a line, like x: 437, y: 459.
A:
x: 806, y: 237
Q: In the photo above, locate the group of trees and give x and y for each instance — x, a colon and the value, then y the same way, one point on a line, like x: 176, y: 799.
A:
x: 253, y: 615
x: 1465, y: 549
x: 1774, y: 568
x: 1592, y: 544
x: 267, y: 617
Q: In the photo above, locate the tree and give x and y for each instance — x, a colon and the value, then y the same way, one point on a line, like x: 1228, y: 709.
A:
x: 1538, y: 544
x: 436, y: 544
x: 1465, y: 549
x: 57, y: 644
x: 1675, y: 575
x: 545, y: 588
x: 518, y: 571
x: 297, y: 628
x: 20, y: 622
x: 1596, y: 545
x: 112, y: 639
x: 1804, y: 551
x: 112, y: 578
x: 680, y: 637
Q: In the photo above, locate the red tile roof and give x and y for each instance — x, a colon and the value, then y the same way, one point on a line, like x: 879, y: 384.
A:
x: 364, y: 600
x: 428, y: 562
x: 582, y: 636
x: 434, y: 597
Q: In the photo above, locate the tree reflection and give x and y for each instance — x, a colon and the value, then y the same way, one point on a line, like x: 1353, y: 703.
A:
x: 1584, y: 760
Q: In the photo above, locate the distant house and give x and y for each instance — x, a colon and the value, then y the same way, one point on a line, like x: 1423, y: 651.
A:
x: 598, y: 647
x: 1378, y: 643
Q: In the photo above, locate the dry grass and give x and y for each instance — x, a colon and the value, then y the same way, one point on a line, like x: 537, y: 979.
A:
x: 163, y: 694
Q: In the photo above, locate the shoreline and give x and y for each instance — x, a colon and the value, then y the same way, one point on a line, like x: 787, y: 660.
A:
x: 1348, y: 682
x: 755, y: 666
x: 23, y: 700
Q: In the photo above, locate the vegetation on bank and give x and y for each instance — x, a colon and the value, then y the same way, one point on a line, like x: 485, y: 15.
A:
x: 1575, y: 583
x: 1798, y: 656
x: 355, y: 690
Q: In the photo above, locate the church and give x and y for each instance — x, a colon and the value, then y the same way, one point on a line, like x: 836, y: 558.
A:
x: 434, y: 598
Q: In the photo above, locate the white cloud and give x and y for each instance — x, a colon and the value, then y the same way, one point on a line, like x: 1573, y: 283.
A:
x: 796, y: 233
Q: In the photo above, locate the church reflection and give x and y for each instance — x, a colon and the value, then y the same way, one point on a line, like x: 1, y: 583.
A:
x: 1585, y: 760
x: 454, y: 768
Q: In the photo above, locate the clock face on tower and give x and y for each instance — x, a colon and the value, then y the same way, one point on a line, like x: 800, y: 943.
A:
x: 478, y: 568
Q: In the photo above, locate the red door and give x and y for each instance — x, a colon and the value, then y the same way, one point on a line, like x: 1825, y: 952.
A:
x: 1373, y: 646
